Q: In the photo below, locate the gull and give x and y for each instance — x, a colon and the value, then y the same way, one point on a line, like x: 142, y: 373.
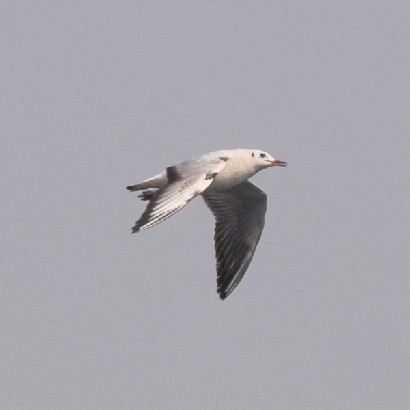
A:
x: 239, y: 206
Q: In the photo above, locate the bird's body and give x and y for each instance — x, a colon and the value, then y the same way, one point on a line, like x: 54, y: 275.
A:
x: 237, y: 169
x: 239, y: 207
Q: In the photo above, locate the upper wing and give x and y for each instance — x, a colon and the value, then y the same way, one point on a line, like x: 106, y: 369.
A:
x: 240, y: 218
x: 185, y: 182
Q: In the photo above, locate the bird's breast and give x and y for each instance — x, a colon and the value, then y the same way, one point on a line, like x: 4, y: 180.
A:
x: 233, y: 174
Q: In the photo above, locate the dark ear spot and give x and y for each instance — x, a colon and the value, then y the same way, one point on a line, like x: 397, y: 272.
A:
x: 253, y: 154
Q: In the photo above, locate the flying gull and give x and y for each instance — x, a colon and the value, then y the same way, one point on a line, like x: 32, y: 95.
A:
x: 239, y: 206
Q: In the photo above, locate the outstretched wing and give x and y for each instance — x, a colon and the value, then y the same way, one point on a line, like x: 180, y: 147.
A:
x: 185, y: 182
x: 240, y: 217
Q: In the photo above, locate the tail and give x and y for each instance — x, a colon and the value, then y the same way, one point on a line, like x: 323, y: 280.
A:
x: 138, y: 187
x: 145, y: 195
x: 156, y: 182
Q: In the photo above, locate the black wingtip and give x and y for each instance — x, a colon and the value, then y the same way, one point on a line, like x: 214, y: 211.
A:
x: 131, y: 188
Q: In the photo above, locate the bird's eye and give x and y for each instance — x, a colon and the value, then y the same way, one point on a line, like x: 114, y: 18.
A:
x: 262, y: 155
x: 253, y: 154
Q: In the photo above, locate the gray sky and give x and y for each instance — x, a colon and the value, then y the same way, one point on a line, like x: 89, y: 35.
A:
x: 97, y: 95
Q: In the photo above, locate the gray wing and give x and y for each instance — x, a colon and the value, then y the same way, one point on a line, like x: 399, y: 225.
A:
x: 185, y: 182
x: 240, y: 218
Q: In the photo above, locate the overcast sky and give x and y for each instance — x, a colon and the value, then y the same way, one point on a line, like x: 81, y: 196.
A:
x: 97, y: 95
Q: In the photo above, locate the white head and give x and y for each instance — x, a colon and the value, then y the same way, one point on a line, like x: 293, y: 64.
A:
x: 263, y: 160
